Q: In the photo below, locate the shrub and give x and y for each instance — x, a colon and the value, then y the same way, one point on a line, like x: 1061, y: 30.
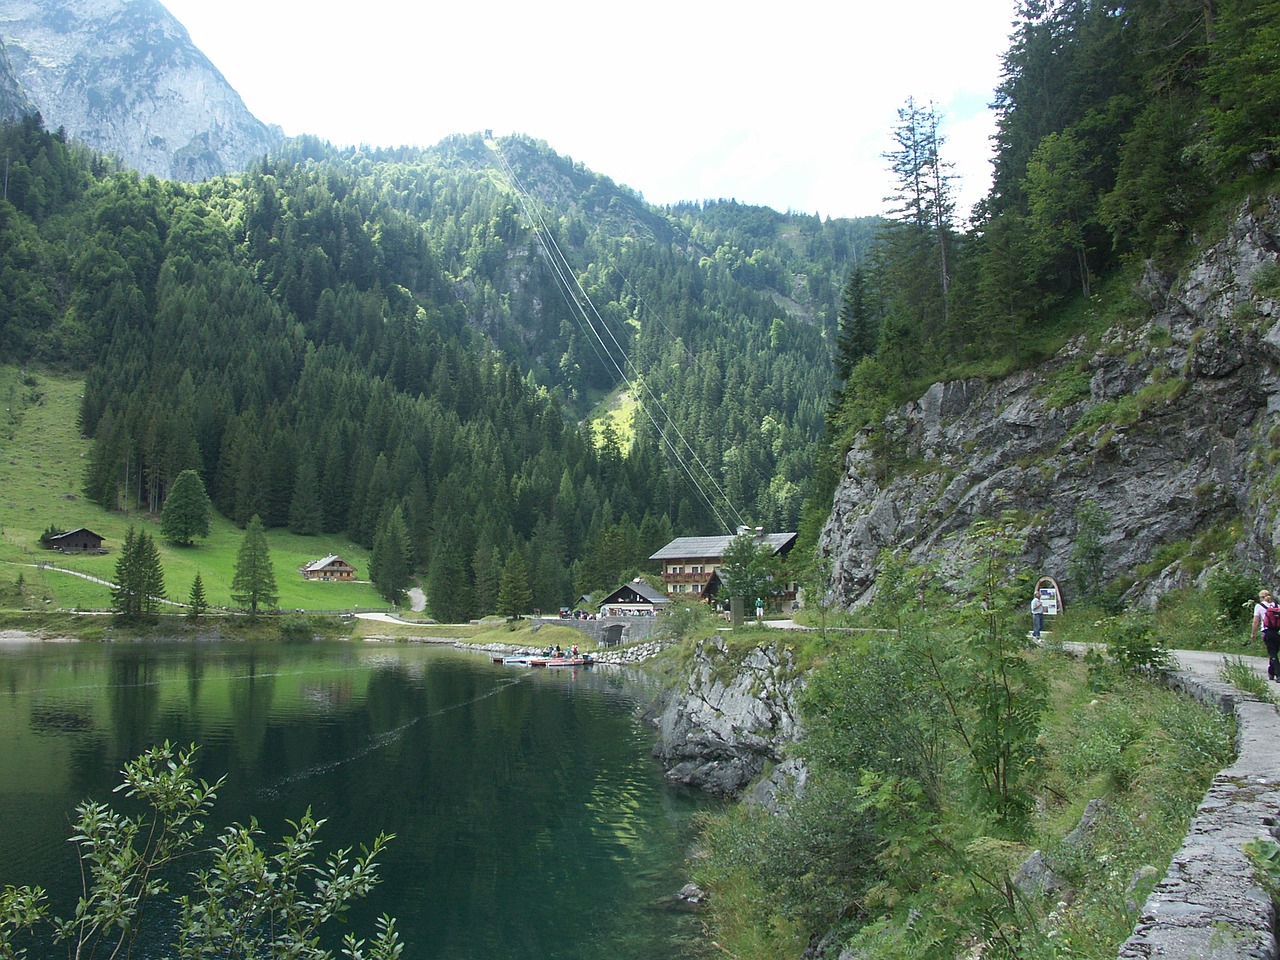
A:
x: 1132, y: 644
x: 295, y: 626
x: 1234, y: 590
x: 247, y: 901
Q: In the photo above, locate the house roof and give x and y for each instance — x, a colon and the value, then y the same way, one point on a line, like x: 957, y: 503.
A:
x: 326, y: 561
x: 646, y: 592
x: 71, y: 533
x: 686, y: 548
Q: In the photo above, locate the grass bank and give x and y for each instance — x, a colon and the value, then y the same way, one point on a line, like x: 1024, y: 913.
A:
x: 44, y: 461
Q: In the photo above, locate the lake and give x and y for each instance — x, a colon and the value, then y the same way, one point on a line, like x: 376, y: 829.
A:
x: 530, y: 819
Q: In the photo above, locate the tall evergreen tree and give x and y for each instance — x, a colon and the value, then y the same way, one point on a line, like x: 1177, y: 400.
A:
x: 859, y: 328
x: 254, y: 583
x: 389, y: 565
x: 139, y: 585
x: 926, y: 202
x: 305, y: 514
x: 486, y: 565
x: 449, y: 596
x: 187, y: 510
x: 514, y: 593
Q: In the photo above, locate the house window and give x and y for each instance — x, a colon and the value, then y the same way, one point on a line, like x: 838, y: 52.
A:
x: 696, y: 569
x: 697, y: 588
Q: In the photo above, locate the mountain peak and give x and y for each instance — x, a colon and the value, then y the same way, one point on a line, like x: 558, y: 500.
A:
x: 124, y: 77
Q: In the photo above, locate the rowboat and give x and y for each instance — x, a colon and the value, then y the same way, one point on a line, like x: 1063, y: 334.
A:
x: 561, y: 661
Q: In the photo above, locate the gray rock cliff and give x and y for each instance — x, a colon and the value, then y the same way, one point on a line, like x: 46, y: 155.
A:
x: 13, y: 102
x: 730, y: 721
x: 123, y: 77
x: 1165, y: 422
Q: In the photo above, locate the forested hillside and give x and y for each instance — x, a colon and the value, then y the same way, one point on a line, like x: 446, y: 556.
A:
x: 1127, y: 135
x: 374, y: 343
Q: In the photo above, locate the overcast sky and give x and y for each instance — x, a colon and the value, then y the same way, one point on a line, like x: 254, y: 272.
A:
x: 789, y: 104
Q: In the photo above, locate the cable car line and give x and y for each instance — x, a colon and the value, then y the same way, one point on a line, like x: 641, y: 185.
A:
x: 568, y: 283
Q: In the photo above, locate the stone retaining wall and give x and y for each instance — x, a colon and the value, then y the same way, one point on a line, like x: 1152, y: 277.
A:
x: 1208, y: 907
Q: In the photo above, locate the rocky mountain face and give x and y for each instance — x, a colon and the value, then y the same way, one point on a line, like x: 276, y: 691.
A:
x: 731, y: 719
x: 13, y: 102
x: 1167, y: 424
x: 124, y: 77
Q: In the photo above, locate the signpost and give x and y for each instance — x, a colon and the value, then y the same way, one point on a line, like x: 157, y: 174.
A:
x: 1049, y: 594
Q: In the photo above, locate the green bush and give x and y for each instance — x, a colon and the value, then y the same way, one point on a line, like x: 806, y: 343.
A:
x: 686, y: 622
x: 1235, y: 591
x: 1132, y: 643
x: 295, y: 626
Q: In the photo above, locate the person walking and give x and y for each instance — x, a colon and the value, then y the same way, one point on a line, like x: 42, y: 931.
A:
x: 1266, y: 617
x: 1037, y: 616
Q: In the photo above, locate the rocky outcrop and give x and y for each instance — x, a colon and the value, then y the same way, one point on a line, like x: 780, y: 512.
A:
x: 13, y: 102
x: 1164, y: 423
x: 124, y: 77
x: 730, y: 721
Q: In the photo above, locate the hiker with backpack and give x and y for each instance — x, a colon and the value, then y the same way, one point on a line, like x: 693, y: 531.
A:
x: 1266, y: 615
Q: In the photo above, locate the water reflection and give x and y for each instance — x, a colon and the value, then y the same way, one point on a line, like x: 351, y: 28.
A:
x: 519, y: 798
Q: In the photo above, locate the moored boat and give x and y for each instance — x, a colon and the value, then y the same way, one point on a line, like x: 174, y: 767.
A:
x: 584, y: 661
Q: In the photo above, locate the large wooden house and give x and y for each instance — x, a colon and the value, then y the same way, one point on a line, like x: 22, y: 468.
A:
x: 79, y: 540
x: 331, y: 567
x: 690, y: 565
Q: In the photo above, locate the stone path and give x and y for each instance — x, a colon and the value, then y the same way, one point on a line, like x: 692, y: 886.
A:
x: 1208, y: 905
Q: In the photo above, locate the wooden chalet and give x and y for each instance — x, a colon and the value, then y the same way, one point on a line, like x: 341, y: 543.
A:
x: 634, y: 599
x: 79, y: 540
x: 690, y: 565
x: 331, y: 567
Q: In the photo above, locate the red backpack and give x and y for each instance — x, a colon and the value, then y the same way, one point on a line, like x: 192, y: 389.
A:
x: 1271, y: 616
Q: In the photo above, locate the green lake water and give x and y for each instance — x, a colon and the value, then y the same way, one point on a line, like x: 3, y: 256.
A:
x: 530, y: 819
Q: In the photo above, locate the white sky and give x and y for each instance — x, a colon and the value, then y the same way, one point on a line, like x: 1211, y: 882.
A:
x: 789, y: 105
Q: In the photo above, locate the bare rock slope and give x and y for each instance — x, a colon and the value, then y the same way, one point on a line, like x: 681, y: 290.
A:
x: 124, y: 77
x: 1165, y: 423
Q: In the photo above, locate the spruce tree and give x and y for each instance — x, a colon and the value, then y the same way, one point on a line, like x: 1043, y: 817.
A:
x: 389, y: 564
x: 858, y: 327
x: 197, y: 604
x: 305, y: 514
x: 514, y: 594
x: 486, y: 566
x: 139, y: 579
x: 254, y: 583
x: 187, y: 510
x: 449, y: 595
x: 124, y: 601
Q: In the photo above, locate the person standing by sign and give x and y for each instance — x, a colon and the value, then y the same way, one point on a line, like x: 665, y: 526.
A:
x: 1266, y: 616
x: 1037, y: 615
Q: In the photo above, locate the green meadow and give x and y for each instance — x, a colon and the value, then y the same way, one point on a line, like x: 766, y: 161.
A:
x: 42, y: 462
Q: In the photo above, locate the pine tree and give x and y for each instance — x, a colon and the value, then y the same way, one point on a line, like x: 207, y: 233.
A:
x: 922, y: 232
x: 305, y: 514
x: 139, y: 578
x: 187, y: 510
x: 254, y: 583
x: 486, y: 567
x: 858, y: 327
x: 449, y: 594
x: 389, y: 564
x: 514, y: 594
x: 196, y: 602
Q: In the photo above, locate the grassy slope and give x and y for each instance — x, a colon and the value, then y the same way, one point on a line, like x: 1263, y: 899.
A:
x: 42, y: 461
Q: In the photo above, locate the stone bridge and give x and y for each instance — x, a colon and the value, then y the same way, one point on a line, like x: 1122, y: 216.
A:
x: 611, y: 631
